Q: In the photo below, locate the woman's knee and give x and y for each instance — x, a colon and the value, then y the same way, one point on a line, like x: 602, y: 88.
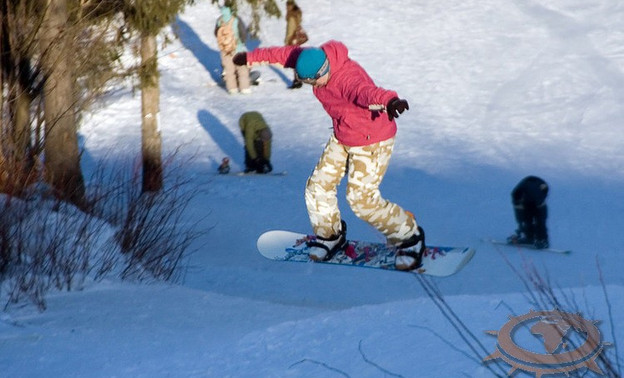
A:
x: 362, y: 201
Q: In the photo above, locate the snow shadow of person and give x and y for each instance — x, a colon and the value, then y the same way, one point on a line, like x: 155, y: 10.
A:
x: 229, y: 142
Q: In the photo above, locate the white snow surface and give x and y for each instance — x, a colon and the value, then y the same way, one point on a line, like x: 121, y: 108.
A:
x: 497, y: 90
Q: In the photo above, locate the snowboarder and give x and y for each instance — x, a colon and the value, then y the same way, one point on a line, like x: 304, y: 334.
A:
x: 529, y: 204
x: 230, y: 33
x: 257, y: 136
x: 362, y: 143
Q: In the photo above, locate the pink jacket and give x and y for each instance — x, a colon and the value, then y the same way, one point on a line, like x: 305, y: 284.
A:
x: 347, y: 95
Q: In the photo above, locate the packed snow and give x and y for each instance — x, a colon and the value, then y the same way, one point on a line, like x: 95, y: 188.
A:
x: 498, y: 90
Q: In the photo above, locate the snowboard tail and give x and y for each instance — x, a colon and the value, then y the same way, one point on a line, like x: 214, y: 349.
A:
x: 254, y: 77
x: 291, y: 246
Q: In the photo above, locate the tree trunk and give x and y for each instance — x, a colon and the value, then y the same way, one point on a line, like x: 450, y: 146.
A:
x: 18, y: 167
x: 151, y: 143
x: 15, y: 101
x: 21, y: 135
x: 3, y: 168
x: 62, y: 156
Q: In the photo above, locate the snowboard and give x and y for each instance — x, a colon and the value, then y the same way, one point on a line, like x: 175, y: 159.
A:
x: 529, y: 246
x: 254, y: 77
x: 282, y: 245
x: 253, y: 173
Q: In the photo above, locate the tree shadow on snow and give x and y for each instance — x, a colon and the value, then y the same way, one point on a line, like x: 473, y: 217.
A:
x: 282, y: 75
x: 223, y: 137
x: 253, y: 43
x: 209, y: 58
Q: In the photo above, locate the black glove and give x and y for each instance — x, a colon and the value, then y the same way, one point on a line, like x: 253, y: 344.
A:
x: 395, y: 107
x: 240, y: 59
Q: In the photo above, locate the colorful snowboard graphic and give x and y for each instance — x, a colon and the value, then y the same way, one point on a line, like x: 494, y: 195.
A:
x: 291, y: 246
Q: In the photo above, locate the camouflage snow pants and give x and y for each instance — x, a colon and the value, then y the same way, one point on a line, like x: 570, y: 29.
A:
x: 366, y: 166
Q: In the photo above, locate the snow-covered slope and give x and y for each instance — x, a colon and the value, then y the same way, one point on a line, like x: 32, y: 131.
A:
x: 497, y: 90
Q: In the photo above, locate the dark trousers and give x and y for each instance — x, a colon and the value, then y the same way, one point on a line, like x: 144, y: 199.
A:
x: 251, y: 164
x: 532, y: 221
x: 529, y: 201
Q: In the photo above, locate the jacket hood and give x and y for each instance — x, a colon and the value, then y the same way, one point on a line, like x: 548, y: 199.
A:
x: 226, y: 14
x: 337, y: 54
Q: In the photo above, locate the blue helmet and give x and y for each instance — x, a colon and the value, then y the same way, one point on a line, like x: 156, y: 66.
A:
x: 312, y: 63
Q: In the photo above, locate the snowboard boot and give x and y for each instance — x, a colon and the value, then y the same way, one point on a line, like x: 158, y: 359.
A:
x: 323, y: 249
x: 513, y: 238
x: 541, y: 244
x: 409, y: 253
x: 518, y: 238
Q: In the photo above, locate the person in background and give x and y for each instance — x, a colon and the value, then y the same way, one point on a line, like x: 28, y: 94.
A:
x: 529, y: 204
x: 295, y: 35
x: 224, y: 168
x: 257, y: 136
x: 230, y: 33
x: 364, y: 129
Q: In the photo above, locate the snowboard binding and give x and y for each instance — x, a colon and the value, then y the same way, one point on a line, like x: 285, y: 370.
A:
x: 409, y: 253
x: 324, y: 249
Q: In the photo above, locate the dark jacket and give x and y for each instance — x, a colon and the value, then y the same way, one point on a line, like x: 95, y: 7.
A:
x: 530, y: 191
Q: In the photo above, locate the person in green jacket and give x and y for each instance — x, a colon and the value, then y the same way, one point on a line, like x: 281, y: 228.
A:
x: 257, y: 136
